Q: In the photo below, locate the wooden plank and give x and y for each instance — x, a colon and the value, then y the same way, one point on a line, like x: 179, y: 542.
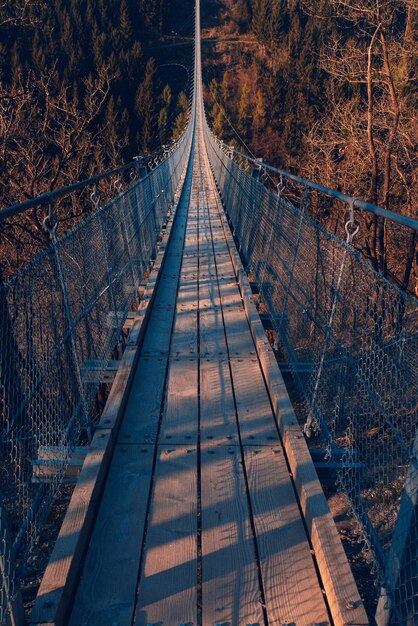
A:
x: 107, y: 590
x: 187, y: 293
x: 230, y: 587
x: 231, y: 296
x: 256, y: 420
x: 189, y: 262
x: 157, y: 339
x: 184, y: 340
x: 240, y: 342
x: 166, y: 293
x: 223, y: 269
x: 181, y: 412
x: 282, y: 405
x: 285, y: 559
x: 207, y: 263
x: 191, y: 249
x: 218, y: 424
x: 143, y: 410
x: 208, y: 293
x: 212, y: 334
x: 168, y: 582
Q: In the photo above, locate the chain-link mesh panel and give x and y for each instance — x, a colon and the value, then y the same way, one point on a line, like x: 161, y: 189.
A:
x: 350, y: 339
x: 67, y: 307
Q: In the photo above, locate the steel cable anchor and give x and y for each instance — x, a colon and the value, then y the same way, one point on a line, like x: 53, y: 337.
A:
x: 352, y: 227
x: 95, y: 197
x: 51, y: 221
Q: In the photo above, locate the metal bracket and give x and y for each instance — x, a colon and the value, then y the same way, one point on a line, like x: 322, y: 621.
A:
x: 51, y: 458
x: 99, y: 371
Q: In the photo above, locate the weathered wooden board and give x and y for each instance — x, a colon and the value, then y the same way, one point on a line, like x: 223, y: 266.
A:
x: 212, y: 334
x: 187, y: 298
x: 208, y: 293
x: 207, y: 263
x: 218, y: 424
x: 224, y: 263
x: 256, y: 420
x: 157, y: 338
x: 184, y: 340
x: 168, y: 582
x: 181, y: 411
x: 238, y: 334
x: 107, y: 589
x: 166, y: 293
x: 291, y: 587
x: 191, y: 249
x: 231, y: 297
x: 230, y: 587
x: 189, y: 262
x: 143, y: 410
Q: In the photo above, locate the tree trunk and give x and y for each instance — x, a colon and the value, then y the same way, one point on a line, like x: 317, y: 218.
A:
x: 387, y: 167
x: 372, y: 149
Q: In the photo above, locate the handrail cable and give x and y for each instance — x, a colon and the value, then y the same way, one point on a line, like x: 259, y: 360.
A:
x: 352, y: 201
x: 50, y: 196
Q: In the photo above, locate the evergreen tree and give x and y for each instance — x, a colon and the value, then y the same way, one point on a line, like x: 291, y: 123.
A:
x: 242, y: 13
x: 259, y: 115
x: 261, y: 21
x: 243, y: 107
x: 181, y: 119
x: 145, y: 105
x: 163, y: 116
x: 225, y: 88
x: 219, y: 122
x: 125, y: 25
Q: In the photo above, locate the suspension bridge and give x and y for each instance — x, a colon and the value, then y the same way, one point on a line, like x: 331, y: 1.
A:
x: 196, y: 498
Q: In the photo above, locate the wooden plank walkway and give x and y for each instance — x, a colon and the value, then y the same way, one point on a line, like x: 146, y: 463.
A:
x: 199, y: 522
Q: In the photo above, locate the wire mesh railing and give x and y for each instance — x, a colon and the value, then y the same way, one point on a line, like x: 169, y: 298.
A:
x: 350, y: 339
x: 66, y: 308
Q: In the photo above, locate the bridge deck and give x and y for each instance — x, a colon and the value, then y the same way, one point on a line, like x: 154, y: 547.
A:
x: 199, y: 523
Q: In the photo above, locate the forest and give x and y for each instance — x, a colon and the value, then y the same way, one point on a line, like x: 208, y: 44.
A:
x: 326, y: 89
x: 81, y: 88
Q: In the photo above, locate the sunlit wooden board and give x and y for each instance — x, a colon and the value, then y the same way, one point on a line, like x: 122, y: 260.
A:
x: 230, y: 586
x: 292, y: 591
x: 167, y: 591
x: 107, y: 590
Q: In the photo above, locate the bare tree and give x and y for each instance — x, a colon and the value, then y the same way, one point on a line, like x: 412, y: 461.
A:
x: 369, y: 136
x: 20, y: 12
x: 48, y: 139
